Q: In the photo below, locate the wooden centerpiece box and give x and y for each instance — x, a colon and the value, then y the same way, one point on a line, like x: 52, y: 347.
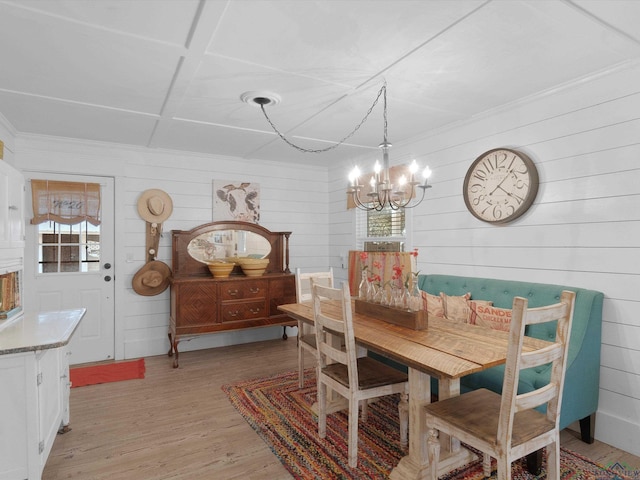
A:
x: 204, y: 304
x: 405, y: 318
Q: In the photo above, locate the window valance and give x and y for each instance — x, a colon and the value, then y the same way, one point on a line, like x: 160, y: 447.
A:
x: 65, y: 202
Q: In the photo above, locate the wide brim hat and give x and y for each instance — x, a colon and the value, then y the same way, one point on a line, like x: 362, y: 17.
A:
x: 152, y: 279
x: 155, y: 206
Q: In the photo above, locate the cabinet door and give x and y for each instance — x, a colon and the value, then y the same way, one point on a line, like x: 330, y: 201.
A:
x: 11, y: 207
x: 50, y: 405
x: 16, y: 213
x: 282, y: 290
x: 195, y: 306
x: 4, y: 205
x: 17, y: 405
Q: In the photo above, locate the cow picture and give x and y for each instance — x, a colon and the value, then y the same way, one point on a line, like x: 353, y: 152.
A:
x: 236, y: 201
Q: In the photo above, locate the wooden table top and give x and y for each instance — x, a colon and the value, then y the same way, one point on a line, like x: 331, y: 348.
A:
x: 443, y: 350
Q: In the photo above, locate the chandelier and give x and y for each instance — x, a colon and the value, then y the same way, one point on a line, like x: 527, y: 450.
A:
x: 381, y: 193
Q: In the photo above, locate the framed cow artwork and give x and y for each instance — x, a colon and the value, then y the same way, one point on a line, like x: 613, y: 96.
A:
x: 236, y: 201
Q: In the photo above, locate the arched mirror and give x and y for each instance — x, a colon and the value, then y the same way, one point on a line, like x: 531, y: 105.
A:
x: 193, y: 249
x: 228, y: 244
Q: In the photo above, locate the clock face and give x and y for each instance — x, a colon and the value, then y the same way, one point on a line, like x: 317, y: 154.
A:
x: 500, y: 185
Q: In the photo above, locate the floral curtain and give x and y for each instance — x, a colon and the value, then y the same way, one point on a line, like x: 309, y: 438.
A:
x: 68, y: 203
x: 383, y: 268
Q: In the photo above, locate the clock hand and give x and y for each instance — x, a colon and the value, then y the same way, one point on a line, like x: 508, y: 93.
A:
x: 500, y: 184
x: 511, y: 194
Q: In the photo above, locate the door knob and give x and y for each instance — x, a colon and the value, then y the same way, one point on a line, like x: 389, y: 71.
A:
x: 107, y: 278
x: 107, y: 266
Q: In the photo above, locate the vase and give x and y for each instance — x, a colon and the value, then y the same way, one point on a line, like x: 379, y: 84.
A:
x: 378, y: 294
x: 364, y: 289
x: 397, y: 297
x: 415, y: 297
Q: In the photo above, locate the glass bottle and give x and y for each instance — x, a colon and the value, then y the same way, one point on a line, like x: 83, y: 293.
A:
x: 415, y: 297
x: 364, y: 290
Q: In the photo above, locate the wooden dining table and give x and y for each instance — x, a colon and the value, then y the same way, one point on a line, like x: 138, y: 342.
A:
x: 444, y: 350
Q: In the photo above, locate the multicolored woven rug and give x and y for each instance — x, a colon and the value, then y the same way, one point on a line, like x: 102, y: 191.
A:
x: 281, y: 414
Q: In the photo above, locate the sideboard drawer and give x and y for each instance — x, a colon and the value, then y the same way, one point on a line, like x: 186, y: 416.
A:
x: 244, y: 290
x: 234, y: 312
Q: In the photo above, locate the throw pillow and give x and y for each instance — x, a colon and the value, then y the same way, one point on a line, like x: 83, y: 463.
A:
x: 492, y: 317
x: 473, y: 314
x: 456, y: 307
x: 432, y: 304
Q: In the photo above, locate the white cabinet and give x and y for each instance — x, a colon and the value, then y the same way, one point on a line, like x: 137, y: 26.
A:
x: 32, y: 410
x: 12, y: 214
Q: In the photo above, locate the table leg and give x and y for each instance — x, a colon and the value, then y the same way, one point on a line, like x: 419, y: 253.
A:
x: 415, y: 466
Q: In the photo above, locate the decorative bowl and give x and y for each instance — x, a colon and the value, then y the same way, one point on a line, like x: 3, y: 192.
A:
x: 253, y: 267
x: 220, y: 269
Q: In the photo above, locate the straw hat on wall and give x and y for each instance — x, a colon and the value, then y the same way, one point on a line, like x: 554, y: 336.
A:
x: 155, y: 206
x: 152, y: 279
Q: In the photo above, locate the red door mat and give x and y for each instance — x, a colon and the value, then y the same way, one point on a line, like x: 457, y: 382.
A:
x: 108, y: 372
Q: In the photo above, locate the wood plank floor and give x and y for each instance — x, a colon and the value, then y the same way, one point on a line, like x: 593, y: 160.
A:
x: 178, y: 424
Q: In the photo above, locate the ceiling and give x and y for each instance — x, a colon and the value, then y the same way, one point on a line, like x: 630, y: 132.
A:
x: 170, y: 73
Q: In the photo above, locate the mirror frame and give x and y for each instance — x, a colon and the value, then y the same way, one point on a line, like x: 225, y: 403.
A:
x: 184, y: 265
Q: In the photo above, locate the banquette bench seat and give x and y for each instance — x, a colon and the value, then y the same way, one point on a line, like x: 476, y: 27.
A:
x: 580, y: 395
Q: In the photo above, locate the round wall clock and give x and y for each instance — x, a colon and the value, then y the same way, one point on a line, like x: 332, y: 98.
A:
x: 500, y: 185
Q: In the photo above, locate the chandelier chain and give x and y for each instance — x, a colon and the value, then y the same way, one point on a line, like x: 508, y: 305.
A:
x: 382, y: 92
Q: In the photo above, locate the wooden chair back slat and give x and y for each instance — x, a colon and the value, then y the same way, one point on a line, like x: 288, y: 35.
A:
x: 303, y: 282
x: 517, y: 360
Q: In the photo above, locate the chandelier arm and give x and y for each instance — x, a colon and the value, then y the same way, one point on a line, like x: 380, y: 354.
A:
x: 383, y: 90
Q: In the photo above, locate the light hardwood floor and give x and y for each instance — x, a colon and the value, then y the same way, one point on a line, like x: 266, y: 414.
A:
x: 178, y: 424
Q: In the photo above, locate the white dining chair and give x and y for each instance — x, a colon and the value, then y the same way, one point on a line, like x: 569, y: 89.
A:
x: 508, y: 426
x: 306, y: 332
x: 340, y: 370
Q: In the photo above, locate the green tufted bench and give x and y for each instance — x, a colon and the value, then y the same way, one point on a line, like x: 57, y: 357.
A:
x: 582, y: 381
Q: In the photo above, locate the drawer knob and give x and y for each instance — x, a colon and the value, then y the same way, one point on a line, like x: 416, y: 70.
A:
x: 255, y: 311
x: 233, y: 314
x: 233, y: 293
x: 254, y: 289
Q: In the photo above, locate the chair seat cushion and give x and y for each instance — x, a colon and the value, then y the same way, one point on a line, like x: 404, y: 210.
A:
x: 371, y: 374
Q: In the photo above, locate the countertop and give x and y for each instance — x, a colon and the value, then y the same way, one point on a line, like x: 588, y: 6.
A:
x: 39, y: 331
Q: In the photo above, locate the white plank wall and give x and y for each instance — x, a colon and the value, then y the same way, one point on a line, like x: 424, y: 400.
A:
x: 582, y: 230
x: 293, y: 198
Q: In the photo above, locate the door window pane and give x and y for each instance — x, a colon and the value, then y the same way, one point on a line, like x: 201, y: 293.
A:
x: 68, y: 248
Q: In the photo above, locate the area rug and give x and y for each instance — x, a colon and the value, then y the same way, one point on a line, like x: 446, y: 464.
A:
x: 280, y: 413
x: 107, y: 372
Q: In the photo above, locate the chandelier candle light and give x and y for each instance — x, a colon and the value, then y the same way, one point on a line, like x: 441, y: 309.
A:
x: 382, y: 192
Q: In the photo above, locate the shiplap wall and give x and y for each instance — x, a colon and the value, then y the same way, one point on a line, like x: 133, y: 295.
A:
x: 583, y: 229
x: 293, y: 198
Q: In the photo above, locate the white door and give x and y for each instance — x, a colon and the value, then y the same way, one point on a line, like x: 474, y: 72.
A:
x: 71, y: 266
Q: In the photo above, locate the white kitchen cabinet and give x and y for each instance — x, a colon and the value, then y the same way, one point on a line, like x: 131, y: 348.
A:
x: 12, y: 214
x: 32, y: 410
x: 34, y: 397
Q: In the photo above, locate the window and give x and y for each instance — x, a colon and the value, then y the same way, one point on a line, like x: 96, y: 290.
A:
x: 383, y: 230
x: 68, y: 248
x: 68, y: 218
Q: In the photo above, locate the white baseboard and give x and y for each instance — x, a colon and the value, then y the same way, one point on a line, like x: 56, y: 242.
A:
x: 618, y: 432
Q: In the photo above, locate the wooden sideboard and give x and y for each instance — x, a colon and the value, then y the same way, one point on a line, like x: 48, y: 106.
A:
x: 201, y: 304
